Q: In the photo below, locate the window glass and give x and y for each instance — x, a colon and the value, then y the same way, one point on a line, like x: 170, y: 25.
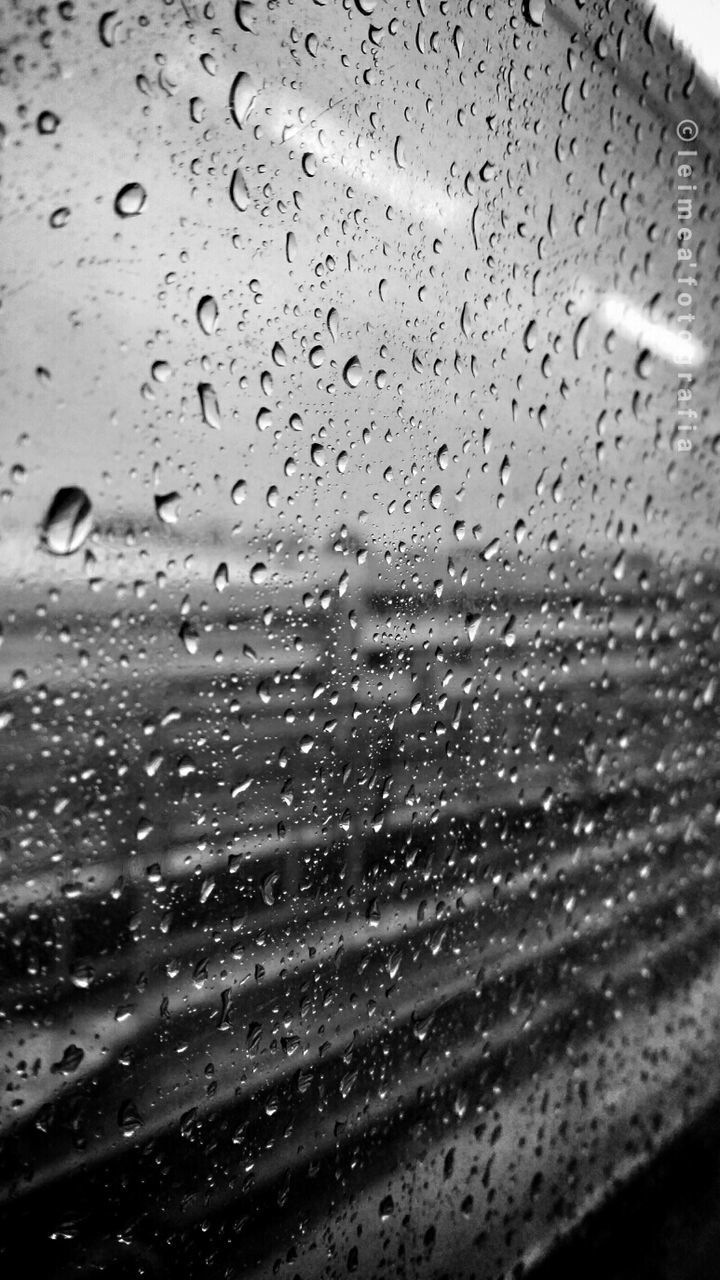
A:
x: 358, y: 803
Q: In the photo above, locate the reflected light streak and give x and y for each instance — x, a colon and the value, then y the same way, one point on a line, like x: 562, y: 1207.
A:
x: 620, y: 313
x: 363, y: 162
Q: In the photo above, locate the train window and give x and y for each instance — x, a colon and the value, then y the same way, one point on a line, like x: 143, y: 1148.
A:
x: 360, y: 641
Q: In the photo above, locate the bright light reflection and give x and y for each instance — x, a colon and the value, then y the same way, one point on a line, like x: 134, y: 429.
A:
x: 363, y: 162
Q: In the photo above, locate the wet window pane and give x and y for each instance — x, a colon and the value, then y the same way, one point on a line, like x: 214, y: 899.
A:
x: 358, y: 804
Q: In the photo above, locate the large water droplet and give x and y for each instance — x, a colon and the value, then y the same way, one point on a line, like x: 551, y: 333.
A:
x: 242, y: 96
x: 130, y: 200
x: 534, y: 11
x: 239, y: 193
x: 530, y: 336
x: 67, y: 521
x: 244, y: 15
x: 352, y: 373
x: 108, y: 27
x: 166, y: 506
x: 207, y: 314
x: 209, y: 405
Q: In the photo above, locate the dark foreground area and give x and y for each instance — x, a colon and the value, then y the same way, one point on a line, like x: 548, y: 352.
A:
x: 663, y: 1225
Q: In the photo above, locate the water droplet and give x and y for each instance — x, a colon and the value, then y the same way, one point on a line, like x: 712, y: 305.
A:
x: 400, y: 158
x: 222, y: 578
x: 278, y: 355
x: 443, y: 457
x: 59, y: 217
x: 67, y: 521
x: 643, y: 364
x: 166, y: 506
x: 316, y: 356
x: 435, y: 497
x: 47, y: 122
x: 365, y: 7
x: 239, y: 492
x: 258, y: 573
x: 207, y: 314
x: 472, y: 622
x: 242, y: 96
x: 189, y: 637
x: 580, y: 338
x: 333, y: 324
x: 108, y: 27
x: 130, y: 200
x: 209, y: 406
x: 534, y: 11
x: 129, y: 1119
x: 352, y: 373
x: 160, y: 370
x: 291, y: 246
x: 530, y: 336
x: 239, y: 193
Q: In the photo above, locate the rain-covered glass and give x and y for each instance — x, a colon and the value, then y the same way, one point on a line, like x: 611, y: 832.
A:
x: 359, y: 880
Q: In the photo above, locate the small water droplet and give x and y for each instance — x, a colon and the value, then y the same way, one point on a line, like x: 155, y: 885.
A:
x: 580, y: 338
x: 130, y: 200
x: 60, y: 217
x: 47, y: 122
x: 643, y: 364
x: 258, y: 573
x: 530, y: 336
x: 189, y: 637
x: 129, y: 1119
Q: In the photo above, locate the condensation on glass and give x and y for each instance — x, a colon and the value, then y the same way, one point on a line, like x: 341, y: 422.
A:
x: 358, y: 805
